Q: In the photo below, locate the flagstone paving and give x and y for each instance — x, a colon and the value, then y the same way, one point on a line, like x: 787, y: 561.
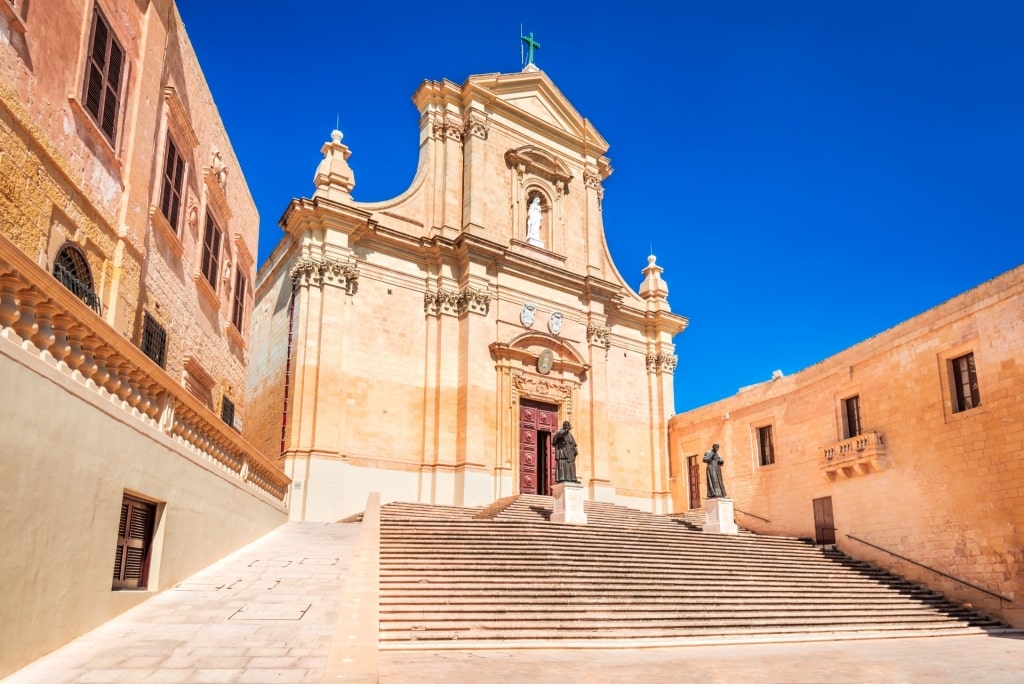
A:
x: 268, y: 612
x: 265, y: 613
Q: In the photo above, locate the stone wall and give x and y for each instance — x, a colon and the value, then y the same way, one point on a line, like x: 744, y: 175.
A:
x: 941, y: 487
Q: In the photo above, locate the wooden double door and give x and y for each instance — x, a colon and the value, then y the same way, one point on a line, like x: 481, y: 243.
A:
x: 537, y: 422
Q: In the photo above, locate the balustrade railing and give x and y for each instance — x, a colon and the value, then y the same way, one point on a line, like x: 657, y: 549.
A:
x: 860, y: 454
x: 48, y: 320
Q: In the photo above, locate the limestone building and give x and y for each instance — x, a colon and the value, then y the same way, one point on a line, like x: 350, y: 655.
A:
x: 428, y: 346
x: 127, y: 236
x: 905, y: 450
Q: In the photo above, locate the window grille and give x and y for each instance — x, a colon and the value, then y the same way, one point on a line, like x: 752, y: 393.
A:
x: 72, y: 270
x: 227, y: 411
x: 154, y: 340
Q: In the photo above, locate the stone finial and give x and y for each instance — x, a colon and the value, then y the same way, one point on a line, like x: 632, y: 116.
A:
x: 334, y: 178
x: 653, y: 287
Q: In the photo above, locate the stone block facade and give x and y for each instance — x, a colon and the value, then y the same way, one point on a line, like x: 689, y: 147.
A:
x: 396, y: 342
x: 112, y: 156
x: 910, y: 441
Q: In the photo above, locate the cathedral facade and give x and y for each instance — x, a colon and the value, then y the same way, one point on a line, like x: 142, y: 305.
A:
x: 428, y: 346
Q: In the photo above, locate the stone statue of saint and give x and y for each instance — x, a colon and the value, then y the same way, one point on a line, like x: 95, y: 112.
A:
x: 716, y: 488
x: 533, y: 217
x: 565, y: 454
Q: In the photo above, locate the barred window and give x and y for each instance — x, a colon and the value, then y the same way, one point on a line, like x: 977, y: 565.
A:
x: 173, y: 180
x: 211, y: 251
x: 227, y: 411
x: 103, y: 76
x: 154, y: 340
x: 72, y: 270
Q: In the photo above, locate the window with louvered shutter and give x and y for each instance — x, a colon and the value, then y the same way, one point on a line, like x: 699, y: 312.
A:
x: 238, y: 306
x: 211, y: 251
x: 103, y: 76
x: 134, y: 538
x: 173, y: 180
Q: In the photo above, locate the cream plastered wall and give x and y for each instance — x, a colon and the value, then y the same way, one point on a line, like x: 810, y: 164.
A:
x: 409, y: 354
x: 943, y: 488
x: 67, y: 465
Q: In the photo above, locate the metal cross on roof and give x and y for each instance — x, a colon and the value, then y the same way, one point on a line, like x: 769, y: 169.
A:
x: 533, y: 45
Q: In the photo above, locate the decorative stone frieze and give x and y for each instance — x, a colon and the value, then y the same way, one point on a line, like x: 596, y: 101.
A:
x: 444, y: 126
x: 662, y: 363
x: 545, y: 389
x: 455, y: 303
x: 308, y: 272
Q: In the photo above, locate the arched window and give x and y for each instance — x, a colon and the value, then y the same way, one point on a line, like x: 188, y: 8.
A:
x: 72, y: 270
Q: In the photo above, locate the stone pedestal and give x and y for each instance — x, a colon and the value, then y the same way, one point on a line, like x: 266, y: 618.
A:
x: 720, y: 517
x: 568, y: 503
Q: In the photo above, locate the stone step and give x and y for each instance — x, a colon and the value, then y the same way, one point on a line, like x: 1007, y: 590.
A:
x: 503, y: 572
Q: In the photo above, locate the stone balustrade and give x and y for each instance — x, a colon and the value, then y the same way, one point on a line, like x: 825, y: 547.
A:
x: 859, y: 455
x: 46, y: 319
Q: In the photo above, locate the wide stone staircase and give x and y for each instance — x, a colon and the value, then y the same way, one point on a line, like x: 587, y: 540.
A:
x: 506, y: 574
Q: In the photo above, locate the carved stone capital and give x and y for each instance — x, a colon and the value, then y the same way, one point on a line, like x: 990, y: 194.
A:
x: 662, y: 363
x: 456, y: 303
x: 593, y: 181
x: 476, y: 125
x: 597, y: 335
x: 307, y: 272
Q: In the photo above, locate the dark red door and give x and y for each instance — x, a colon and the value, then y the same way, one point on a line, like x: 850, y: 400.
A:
x: 693, y: 472
x: 536, y: 462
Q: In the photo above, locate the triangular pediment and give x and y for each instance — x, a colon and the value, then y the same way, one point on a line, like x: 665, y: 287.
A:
x: 534, y: 94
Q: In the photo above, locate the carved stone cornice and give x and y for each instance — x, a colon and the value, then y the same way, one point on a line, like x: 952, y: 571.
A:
x: 662, y: 363
x: 476, y: 125
x: 456, y: 303
x: 539, y: 162
x: 597, y: 335
x: 306, y: 272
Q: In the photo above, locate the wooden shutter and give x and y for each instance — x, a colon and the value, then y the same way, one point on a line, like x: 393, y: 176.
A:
x: 134, y: 534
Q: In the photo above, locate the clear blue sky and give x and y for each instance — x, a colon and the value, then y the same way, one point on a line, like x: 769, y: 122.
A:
x: 808, y: 173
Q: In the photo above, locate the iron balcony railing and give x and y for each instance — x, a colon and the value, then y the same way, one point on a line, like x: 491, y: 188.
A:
x: 77, y: 287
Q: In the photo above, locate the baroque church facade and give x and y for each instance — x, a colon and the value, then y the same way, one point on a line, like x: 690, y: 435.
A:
x: 428, y: 346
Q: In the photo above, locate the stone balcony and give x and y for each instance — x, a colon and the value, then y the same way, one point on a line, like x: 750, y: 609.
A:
x: 862, y: 454
x: 44, y: 318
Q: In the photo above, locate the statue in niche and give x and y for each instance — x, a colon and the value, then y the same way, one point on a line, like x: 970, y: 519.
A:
x: 565, y: 454
x: 533, y: 220
x: 716, y: 486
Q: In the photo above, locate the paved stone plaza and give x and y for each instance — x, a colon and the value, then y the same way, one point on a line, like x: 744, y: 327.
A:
x: 268, y: 612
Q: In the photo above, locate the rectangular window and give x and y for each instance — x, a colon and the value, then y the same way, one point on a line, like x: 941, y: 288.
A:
x: 238, y: 304
x: 211, y: 251
x: 171, y: 187
x: 851, y: 417
x: 154, y: 340
x: 765, y: 447
x: 134, y: 539
x: 103, y: 75
x: 227, y: 411
x: 964, y: 382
